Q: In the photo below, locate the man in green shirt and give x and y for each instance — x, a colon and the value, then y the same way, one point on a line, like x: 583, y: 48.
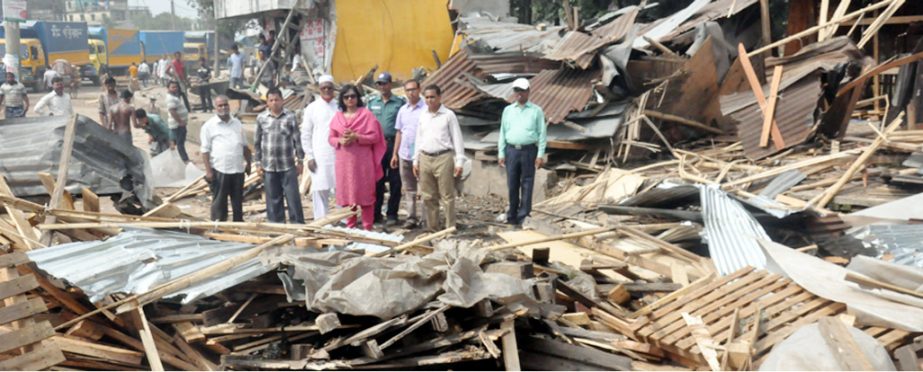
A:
x: 521, y: 150
x: 385, y: 107
x: 160, y: 136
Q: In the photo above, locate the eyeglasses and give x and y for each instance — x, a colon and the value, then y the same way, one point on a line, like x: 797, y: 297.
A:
x: 223, y: 105
x: 350, y: 96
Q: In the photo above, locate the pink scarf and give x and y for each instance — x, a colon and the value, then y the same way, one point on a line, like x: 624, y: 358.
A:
x: 367, y: 127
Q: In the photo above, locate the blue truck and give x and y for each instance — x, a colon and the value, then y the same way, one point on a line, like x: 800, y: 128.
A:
x: 161, y: 44
x: 113, y: 50
x: 44, y: 42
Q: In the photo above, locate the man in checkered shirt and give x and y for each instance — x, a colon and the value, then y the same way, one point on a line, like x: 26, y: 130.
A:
x: 279, y: 158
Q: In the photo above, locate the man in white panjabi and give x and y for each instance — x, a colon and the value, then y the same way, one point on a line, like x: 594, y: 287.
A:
x: 315, y: 129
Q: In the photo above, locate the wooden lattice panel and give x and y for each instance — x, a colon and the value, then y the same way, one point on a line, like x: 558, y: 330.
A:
x: 23, y: 341
x: 783, y: 305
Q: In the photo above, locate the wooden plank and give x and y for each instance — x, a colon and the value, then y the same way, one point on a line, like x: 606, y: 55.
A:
x: 189, y: 332
x: 757, y: 88
x: 846, y: 351
x: 706, y: 344
x: 778, y: 335
x: 194, y: 355
x: 22, y: 226
x: 13, y: 259
x: 97, y: 350
x: 866, y: 281
x: 43, y: 357
x: 17, y: 286
x: 769, y: 113
x: 63, y: 165
x: 90, y: 200
x: 720, y: 305
x: 420, y: 322
x: 584, y: 355
x: 510, y: 348
x: 48, y: 182
x: 21, y: 310
x: 25, y: 336
x: 147, y: 339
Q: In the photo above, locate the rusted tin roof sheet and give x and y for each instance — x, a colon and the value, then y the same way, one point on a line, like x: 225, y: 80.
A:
x: 456, y: 90
x: 454, y: 77
x: 795, y: 109
x: 560, y: 92
x: 580, y: 47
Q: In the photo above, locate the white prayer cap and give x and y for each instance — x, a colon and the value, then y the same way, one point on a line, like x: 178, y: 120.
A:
x: 521, y: 83
x: 326, y: 78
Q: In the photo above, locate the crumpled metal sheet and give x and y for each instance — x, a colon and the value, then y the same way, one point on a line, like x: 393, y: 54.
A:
x: 904, y: 243
x: 732, y: 234
x: 138, y: 260
x: 510, y: 37
x: 347, y: 283
x: 99, y: 162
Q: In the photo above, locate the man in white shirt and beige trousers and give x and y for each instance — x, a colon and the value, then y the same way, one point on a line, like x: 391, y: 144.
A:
x: 438, y: 157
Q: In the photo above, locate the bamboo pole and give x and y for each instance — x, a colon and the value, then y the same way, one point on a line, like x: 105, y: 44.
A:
x: 416, y: 242
x: 552, y: 238
x: 858, y: 163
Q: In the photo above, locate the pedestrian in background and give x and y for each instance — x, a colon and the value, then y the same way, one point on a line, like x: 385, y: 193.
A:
x: 521, y: 149
x: 107, y: 100
x: 160, y: 138
x: 205, y: 90
x: 144, y: 73
x: 280, y: 159
x: 236, y: 68
x: 13, y: 97
x: 360, y: 146
x: 178, y: 118
x: 385, y: 107
x: 55, y: 103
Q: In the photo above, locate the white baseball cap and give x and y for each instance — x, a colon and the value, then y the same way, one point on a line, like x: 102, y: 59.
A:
x: 521, y: 83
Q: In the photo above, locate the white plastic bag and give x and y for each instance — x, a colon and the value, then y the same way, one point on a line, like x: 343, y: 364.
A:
x: 168, y: 169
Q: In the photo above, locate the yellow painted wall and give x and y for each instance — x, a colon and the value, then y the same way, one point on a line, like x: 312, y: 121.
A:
x: 396, y: 35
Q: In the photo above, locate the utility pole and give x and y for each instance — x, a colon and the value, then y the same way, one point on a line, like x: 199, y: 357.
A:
x: 11, y: 29
x: 173, y: 14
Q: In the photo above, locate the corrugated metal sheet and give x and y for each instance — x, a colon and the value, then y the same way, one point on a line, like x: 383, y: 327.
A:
x: 663, y: 196
x: 576, y: 47
x: 456, y: 90
x: 454, y: 77
x: 100, y: 160
x: 902, y: 242
x: 138, y: 260
x: 510, y: 37
x: 657, y: 30
x: 795, y: 109
x: 580, y: 47
x: 766, y: 199
x: 709, y: 12
x: 560, y: 92
x: 731, y: 232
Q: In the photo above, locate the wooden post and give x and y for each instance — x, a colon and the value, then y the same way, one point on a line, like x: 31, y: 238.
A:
x: 757, y: 88
x: 765, y: 22
x: 416, y: 242
x: 63, y: 164
x: 150, y: 347
x: 510, y: 349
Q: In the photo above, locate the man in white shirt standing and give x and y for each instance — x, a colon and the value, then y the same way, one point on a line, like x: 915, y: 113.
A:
x: 236, y: 67
x: 55, y: 103
x: 178, y: 118
x: 438, y: 157
x: 144, y: 73
x: 13, y: 97
x: 162, y: 67
x: 227, y: 159
x: 315, y: 129
x: 49, y: 75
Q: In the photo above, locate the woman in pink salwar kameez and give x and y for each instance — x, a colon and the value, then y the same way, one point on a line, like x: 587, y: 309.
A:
x: 357, y: 137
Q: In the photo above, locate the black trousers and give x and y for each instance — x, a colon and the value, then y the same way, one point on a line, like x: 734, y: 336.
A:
x: 223, y: 187
x: 393, y: 179
x: 205, y: 93
x: 520, y: 179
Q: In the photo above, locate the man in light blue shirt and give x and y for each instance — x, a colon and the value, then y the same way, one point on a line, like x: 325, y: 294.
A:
x: 404, y: 144
x: 521, y: 150
x: 236, y: 65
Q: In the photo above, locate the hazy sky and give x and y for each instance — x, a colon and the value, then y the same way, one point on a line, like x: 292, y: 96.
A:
x: 163, y: 6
